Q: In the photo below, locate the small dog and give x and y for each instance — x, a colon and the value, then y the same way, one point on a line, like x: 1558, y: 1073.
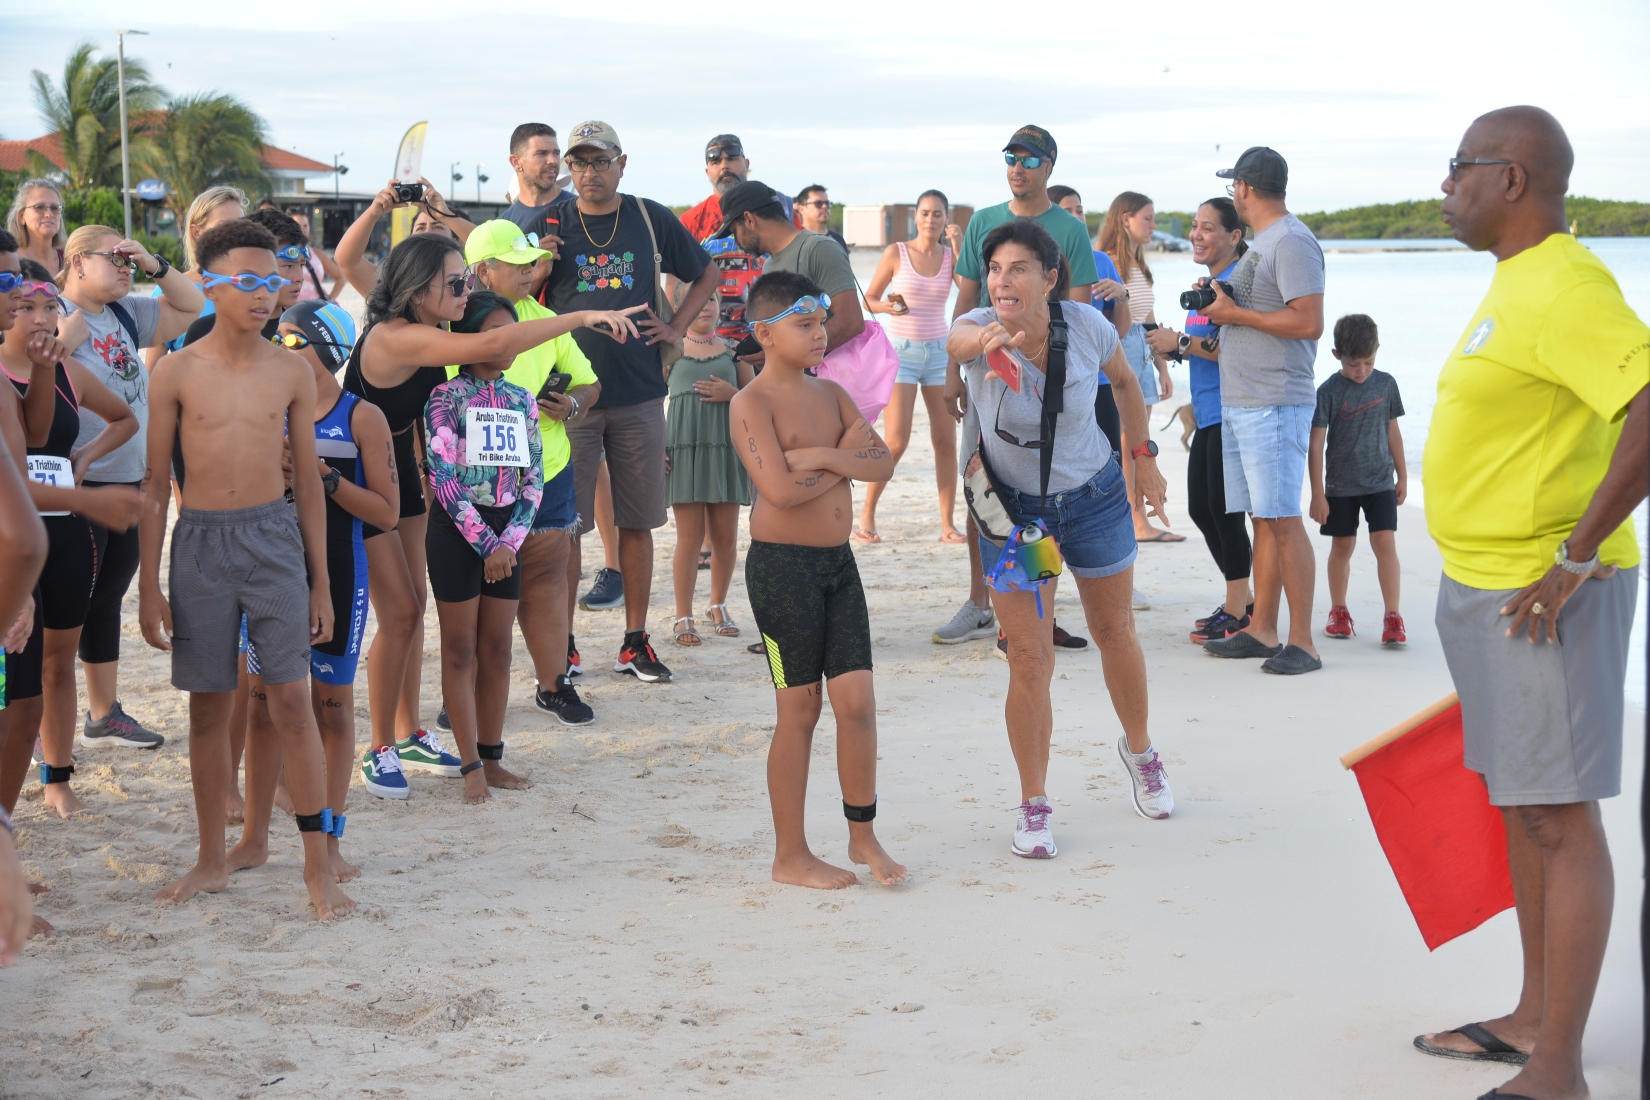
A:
x: 1188, y: 424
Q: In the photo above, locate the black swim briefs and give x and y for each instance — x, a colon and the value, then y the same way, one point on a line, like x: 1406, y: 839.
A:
x: 810, y: 609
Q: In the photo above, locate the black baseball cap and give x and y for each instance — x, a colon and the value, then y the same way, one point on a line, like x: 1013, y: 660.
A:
x: 1261, y: 168
x: 1035, y: 138
x: 744, y: 198
x: 727, y: 143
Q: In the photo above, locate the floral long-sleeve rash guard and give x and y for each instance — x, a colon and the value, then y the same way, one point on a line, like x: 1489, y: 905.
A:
x: 462, y: 488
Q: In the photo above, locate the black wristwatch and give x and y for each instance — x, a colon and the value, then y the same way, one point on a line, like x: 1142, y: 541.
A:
x: 330, y: 479
x: 160, y: 272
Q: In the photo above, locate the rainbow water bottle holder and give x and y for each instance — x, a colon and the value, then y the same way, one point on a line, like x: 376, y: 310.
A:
x: 1029, y: 560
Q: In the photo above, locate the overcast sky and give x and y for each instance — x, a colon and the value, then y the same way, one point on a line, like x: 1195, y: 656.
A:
x: 880, y: 100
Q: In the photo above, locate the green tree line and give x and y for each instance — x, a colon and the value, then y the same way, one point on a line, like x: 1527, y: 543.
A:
x: 1422, y: 218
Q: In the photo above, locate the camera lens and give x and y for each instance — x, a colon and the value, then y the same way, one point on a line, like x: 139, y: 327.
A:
x: 1197, y: 299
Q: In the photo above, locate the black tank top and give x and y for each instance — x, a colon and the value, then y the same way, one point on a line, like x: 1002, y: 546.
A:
x: 65, y: 416
x: 402, y: 405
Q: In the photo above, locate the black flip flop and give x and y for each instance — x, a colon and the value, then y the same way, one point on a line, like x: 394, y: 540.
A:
x: 1494, y: 1051
x: 1240, y: 645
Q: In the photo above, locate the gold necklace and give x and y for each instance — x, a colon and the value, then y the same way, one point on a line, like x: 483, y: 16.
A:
x: 610, y: 236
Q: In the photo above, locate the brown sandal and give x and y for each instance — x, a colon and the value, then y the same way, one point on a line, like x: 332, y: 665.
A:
x: 685, y: 635
x: 725, y: 626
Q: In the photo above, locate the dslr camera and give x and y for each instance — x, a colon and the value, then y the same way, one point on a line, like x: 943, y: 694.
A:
x: 1201, y: 298
x: 414, y: 192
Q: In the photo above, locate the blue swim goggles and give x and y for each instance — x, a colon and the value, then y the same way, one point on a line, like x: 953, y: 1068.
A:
x: 806, y: 304
x: 292, y: 253
x: 244, y: 281
x: 10, y: 281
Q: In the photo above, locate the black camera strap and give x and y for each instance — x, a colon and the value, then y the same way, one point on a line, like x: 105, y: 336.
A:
x: 1054, y: 391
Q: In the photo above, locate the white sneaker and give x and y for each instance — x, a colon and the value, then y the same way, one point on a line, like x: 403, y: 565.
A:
x: 1140, y: 602
x: 968, y: 623
x: 1032, y: 836
x: 1150, y: 784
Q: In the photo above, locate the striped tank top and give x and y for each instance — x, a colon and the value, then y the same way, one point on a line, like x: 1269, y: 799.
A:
x: 1141, y: 296
x: 925, y: 297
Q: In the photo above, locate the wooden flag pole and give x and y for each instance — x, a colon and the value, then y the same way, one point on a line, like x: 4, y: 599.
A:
x: 1375, y: 744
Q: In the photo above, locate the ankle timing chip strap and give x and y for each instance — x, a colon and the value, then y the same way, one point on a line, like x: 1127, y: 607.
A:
x: 49, y: 774
x: 322, y: 822
x: 470, y: 767
x: 859, y: 813
x: 490, y: 752
x: 337, y: 830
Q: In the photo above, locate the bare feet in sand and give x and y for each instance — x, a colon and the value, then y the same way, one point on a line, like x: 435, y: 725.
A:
x: 199, y: 880
x: 329, y: 901
x: 811, y: 871
x: 60, y: 798
x: 41, y: 927
x: 235, y: 813
x: 342, y: 869
x: 475, y: 789
x: 283, y: 800
x: 247, y: 853
x: 870, y: 853
x: 498, y: 777
x: 38, y: 888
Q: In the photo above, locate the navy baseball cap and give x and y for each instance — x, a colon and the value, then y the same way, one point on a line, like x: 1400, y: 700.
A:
x: 1261, y: 168
x: 1035, y: 138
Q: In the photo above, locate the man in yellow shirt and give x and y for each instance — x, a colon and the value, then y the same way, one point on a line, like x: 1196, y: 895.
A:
x: 503, y: 257
x: 1537, y: 457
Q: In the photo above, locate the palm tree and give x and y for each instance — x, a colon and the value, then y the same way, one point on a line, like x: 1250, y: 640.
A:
x: 84, y: 111
x: 202, y: 140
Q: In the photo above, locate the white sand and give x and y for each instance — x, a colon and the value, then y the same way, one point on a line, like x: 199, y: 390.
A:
x: 614, y: 931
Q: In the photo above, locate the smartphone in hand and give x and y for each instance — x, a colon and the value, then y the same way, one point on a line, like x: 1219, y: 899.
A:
x: 555, y: 383
x: 1004, y: 366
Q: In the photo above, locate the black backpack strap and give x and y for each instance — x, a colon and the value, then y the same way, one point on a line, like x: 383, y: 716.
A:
x: 1054, y: 390
x: 127, y: 322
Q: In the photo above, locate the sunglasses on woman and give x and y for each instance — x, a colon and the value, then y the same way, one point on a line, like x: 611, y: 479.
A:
x: 296, y: 341
x: 119, y: 259
x: 244, y: 281
x: 1024, y: 162
x: 292, y: 253
x: 806, y: 304
x: 460, y: 285
x: 1010, y: 438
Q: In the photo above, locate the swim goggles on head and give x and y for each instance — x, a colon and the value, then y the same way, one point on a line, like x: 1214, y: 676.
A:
x: 45, y: 290
x: 806, y: 304
x: 244, y: 281
x: 10, y: 281
x: 294, y: 341
x: 287, y: 254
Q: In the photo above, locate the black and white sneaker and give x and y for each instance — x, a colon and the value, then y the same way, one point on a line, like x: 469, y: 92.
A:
x: 565, y: 704
x: 442, y: 722
x: 575, y: 663
x: 636, y: 657
x: 118, y: 729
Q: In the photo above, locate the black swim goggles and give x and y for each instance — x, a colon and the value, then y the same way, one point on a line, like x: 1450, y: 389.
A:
x: 296, y: 341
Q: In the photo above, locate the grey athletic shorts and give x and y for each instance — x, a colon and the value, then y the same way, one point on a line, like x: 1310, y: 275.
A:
x: 631, y: 440
x: 1543, y: 722
x: 225, y: 564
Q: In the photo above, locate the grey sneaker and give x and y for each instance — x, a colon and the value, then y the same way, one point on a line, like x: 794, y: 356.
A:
x: 117, y: 728
x: 970, y: 622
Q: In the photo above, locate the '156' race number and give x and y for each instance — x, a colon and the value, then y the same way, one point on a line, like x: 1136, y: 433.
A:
x: 495, y: 437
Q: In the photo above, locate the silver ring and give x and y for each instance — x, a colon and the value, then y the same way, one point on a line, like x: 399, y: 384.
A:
x: 1537, y: 609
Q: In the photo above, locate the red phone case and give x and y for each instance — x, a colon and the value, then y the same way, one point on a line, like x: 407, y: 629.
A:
x: 1005, y: 366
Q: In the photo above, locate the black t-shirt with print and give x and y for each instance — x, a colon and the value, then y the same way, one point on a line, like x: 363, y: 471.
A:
x: 608, y: 266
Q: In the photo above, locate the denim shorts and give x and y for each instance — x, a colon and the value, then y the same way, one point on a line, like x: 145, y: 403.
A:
x: 1140, y: 358
x: 1092, y: 523
x: 921, y: 362
x: 1264, y: 452
x: 558, y: 508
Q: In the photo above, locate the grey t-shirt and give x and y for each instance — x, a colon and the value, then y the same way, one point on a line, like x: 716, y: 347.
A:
x: 1357, y: 457
x: 1080, y: 449
x: 819, y: 259
x: 109, y: 353
x: 1283, y: 263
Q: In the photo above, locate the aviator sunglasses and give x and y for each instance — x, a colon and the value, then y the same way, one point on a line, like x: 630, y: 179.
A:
x: 244, y: 281
x: 806, y: 304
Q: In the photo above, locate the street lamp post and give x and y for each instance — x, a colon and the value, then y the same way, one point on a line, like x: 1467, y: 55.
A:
x: 481, y: 178
x: 125, y: 155
x: 337, y: 170
x: 454, y: 177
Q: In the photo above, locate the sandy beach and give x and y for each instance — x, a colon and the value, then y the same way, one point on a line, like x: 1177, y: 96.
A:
x: 614, y: 931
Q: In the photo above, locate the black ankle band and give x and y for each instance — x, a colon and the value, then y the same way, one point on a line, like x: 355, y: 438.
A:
x: 315, y: 823
x: 49, y: 774
x: 490, y: 752
x: 470, y: 767
x: 859, y: 813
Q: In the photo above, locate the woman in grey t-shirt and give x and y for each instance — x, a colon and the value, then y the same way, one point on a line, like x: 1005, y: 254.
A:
x: 1086, y: 507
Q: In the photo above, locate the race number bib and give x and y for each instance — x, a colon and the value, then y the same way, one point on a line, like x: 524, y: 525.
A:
x: 495, y: 437
x: 53, y: 470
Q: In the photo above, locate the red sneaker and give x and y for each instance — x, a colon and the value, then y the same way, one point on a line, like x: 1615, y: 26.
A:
x: 1340, y: 623
x: 1392, y: 630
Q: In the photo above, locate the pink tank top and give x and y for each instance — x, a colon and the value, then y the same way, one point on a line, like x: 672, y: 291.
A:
x: 925, y: 297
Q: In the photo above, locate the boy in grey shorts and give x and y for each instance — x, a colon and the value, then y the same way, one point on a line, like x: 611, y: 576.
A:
x: 237, y: 550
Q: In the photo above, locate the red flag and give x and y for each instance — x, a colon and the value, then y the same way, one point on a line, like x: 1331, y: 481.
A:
x: 1446, y: 843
